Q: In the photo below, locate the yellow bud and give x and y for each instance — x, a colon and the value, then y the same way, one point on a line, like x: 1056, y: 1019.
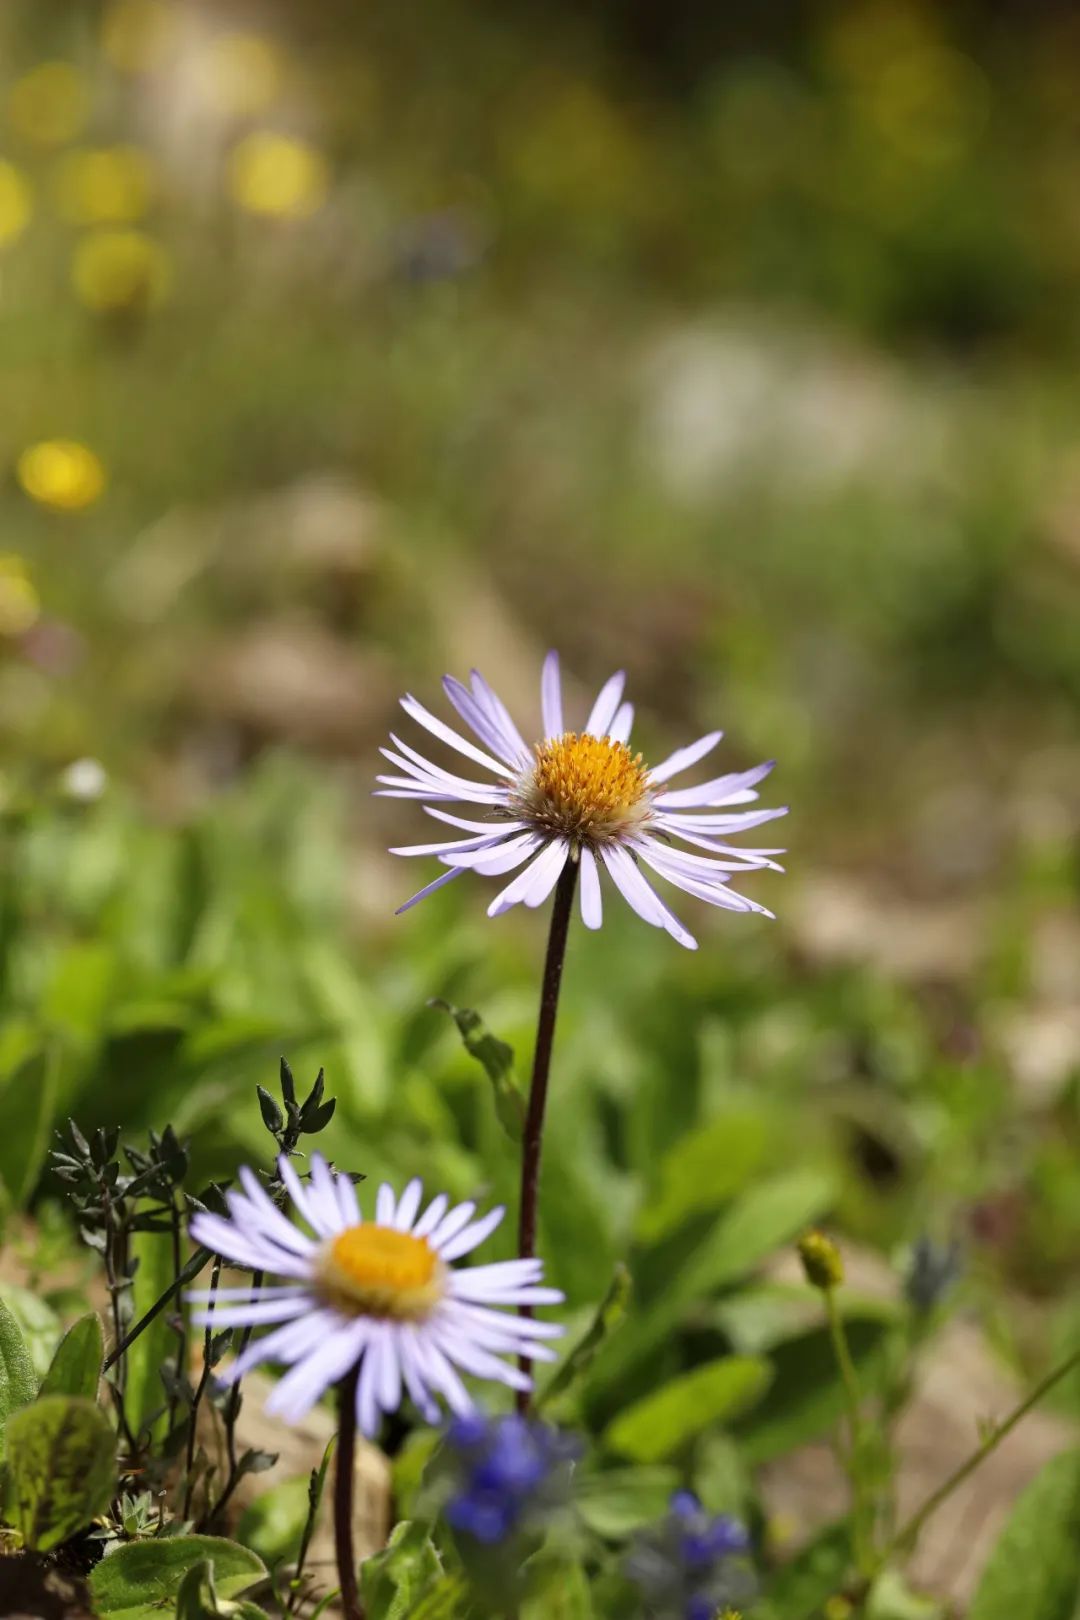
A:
x: 821, y: 1261
x: 61, y: 474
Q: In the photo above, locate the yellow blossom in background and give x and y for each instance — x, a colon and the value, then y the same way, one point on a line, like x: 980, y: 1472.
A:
x: 109, y: 185
x: 136, y: 34
x: 242, y: 73
x: 114, y: 271
x: 277, y: 175
x: 49, y: 105
x: 16, y: 202
x: 20, y: 606
x: 62, y: 474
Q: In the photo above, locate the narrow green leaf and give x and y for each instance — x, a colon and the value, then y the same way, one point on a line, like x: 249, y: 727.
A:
x: 497, y: 1060
x: 1034, y: 1568
x: 75, y: 1369
x: 663, y: 1423
x: 395, y: 1580
x: 448, y: 1599
x: 18, y: 1383
x: 609, y: 1317
x: 141, y: 1581
x: 144, y: 1394
x: 767, y: 1216
x: 61, y: 1458
x: 703, y: 1170
x: 27, y: 1106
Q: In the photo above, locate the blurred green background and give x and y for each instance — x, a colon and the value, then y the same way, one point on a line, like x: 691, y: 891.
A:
x: 347, y: 344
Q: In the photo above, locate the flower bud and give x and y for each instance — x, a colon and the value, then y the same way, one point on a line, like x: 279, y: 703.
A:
x: 821, y: 1261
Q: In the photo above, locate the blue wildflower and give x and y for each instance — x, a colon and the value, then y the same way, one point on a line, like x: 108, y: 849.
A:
x: 693, y: 1564
x: 508, y: 1475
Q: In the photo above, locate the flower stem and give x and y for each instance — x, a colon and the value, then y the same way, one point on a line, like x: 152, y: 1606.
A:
x: 908, y: 1535
x: 344, y: 1478
x: 863, y: 1535
x: 533, y: 1140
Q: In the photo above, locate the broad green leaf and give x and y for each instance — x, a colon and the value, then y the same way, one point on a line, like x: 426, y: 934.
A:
x: 892, y: 1599
x: 800, y: 1589
x: 27, y: 1106
x: 563, y: 1595
x: 144, y: 1393
x: 61, y: 1459
x: 75, y: 1369
x: 618, y: 1501
x: 665, y: 1422
x: 141, y: 1580
x: 38, y: 1323
x: 394, y: 1581
x: 1034, y: 1568
x: 497, y: 1060
x: 703, y: 1170
x: 806, y: 1398
x: 18, y: 1382
x: 609, y: 1317
x: 273, y: 1522
x: 198, y: 1599
x: 765, y: 1217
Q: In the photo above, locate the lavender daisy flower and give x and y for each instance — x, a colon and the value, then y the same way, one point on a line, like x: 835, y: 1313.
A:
x: 381, y: 1297
x: 582, y: 797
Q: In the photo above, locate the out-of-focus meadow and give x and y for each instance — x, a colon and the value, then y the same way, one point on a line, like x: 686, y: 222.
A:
x: 346, y: 344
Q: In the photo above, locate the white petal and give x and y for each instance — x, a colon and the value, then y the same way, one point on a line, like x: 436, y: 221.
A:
x: 429, y: 888
x: 485, y: 724
x: 622, y: 725
x: 299, y: 1195
x: 683, y: 758
x: 643, y: 899
x: 533, y: 886
x: 449, y: 736
x: 452, y: 1224
x: 310, y: 1377
x: 408, y: 1204
x: 385, y: 1204
x: 721, y: 790
x: 503, y: 856
x: 592, y: 906
x: 493, y: 703
x: 472, y: 1237
x: 551, y: 697
x: 603, y: 710
x: 431, y: 1216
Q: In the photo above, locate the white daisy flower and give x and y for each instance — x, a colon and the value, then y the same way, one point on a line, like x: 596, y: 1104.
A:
x: 385, y: 1294
x: 582, y: 797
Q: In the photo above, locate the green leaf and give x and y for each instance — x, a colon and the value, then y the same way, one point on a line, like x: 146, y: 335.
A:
x: 765, y: 1217
x: 563, y: 1594
x: 61, y: 1457
x: 198, y: 1599
x: 497, y: 1060
x: 144, y: 1393
x: 448, y: 1599
x: 892, y: 1599
x: 806, y: 1397
x: 665, y: 1422
x: 142, y: 1580
x: 273, y: 1522
x: 38, y: 1324
x: 27, y: 1106
x: 18, y: 1383
x: 703, y: 1170
x: 800, y: 1590
x: 395, y: 1580
x: 1034, y: 1568
x: 75, y: 1369
x: 609, y: 1317
x: 616, y: 1502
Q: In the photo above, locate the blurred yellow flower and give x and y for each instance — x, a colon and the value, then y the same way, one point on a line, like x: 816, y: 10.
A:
x: 16, y: 201
x: 242, y: 73
x: 277, y: 175
x: 136, y: 34
x: 110, y: 185
x: 20, y: 606
x: 115, y: 271
x: 62, y: 474
x: 49, y: 104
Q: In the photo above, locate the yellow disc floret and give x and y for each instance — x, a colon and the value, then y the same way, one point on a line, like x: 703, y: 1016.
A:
x: 376, y: 1271
x: 590, y: 789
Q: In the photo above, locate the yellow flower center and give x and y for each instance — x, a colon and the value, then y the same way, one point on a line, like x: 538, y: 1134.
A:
x: 376, y: 1271
x: 589, y: 789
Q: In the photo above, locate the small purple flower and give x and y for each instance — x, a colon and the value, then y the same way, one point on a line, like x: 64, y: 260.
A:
x: 693, y: 1564
x: 506, y: 1475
